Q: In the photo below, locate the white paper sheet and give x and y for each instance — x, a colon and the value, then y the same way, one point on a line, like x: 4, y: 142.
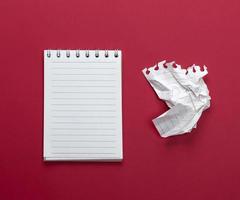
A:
x: 185, y: 93
x: 82, y: 105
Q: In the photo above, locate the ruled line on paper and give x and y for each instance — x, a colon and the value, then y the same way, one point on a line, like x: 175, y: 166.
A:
x: 88, y: 74
x: 82, y: 92
x: 79, y: 134
x: 90, y: 62
x: 81, y: 147
x: 80, y: 122
x: 85, y: 129
x: 94, y: 110
x: 86, y: 86
x: 85, y: 98
x: 87, y: 80
x: 110, y: 141
x: 74, y: 116
x: 83, y: 104
x: 83, y: 68
x: 81, y: 153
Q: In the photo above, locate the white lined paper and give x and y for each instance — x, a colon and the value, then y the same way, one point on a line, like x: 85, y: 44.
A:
x: 82, y: 106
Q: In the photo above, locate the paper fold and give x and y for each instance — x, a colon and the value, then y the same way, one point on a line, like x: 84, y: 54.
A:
x: 185, y: 93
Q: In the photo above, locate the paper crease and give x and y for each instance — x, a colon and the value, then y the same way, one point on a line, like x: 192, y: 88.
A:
x: 185, y: 93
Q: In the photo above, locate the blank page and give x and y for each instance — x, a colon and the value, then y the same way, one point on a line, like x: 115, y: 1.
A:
x: 82, y: 105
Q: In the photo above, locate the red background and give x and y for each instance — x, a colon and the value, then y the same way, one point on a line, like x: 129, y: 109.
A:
x: 202, y: 165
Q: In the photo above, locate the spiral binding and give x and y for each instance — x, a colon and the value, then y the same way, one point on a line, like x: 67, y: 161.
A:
x: 87, y: 54
x: 48, y: 54
x: 58, y: 53
x: 67, y: 54
x: 77, y: 53
x: 106, y: 53
x: 96, y: 53
x: 116, y: 53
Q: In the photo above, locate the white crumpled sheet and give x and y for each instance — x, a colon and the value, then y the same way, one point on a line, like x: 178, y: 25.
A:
x: 185, y: 93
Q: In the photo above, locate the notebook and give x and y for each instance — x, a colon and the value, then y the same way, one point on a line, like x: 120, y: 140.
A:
x: 82, y: 105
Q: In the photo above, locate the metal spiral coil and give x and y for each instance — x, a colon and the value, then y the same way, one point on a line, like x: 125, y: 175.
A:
x: 78, y: 53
